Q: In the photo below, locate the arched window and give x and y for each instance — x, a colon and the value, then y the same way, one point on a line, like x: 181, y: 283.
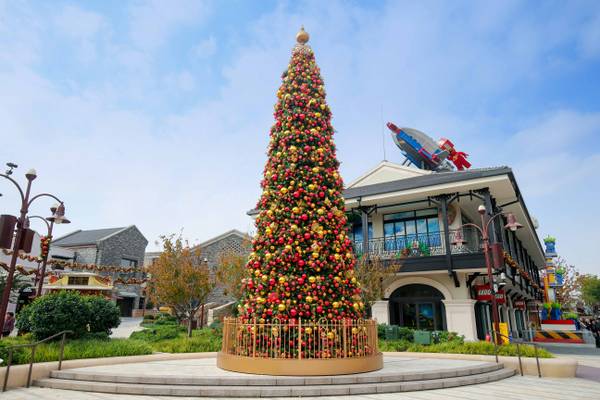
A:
x: 418, y: 306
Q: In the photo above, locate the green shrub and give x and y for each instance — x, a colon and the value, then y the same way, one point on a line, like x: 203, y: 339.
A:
x: 406, y: 334
x: 68, y: 310
x: 484, y: 348
x: 103, y: 314
x: 24, y: 319
x: 165, y: 319
x: 149, y: 317
x: 445, y: 336
x: 394, y: 345
x: 57, y: 312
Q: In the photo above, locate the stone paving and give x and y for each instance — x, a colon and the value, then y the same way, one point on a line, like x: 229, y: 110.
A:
x: 127, y: 327
x: 515, y: 388
x: 206, y: 367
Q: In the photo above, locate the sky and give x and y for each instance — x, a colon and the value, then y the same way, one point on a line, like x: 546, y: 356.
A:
x: 157, y: 113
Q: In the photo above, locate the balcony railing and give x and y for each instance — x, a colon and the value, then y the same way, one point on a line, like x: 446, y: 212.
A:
x: 462, y: 241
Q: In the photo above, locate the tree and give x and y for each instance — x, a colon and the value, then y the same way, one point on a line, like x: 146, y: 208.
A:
x: 302, y: 263
x: 20, y: 281
x: 179, y: 279
x: 230, y: 272
x: 570, y: 292
x: 371, y: 272
x: 590, y: 290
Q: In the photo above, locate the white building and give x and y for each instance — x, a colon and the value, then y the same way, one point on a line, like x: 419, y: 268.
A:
x: 413, y: 220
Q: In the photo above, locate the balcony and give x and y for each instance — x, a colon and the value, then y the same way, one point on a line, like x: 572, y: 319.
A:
x: 462, y: 241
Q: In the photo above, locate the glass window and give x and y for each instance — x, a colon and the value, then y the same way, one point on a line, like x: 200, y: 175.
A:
x: 126, y: 262
x: 78, y: 280
x: 426, y: 213
x: 357, y: 235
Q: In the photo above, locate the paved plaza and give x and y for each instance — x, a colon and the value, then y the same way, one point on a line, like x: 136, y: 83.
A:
x: 515, y: 388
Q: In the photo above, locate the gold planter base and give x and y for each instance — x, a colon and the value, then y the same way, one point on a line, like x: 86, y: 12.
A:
x: 299, y: 367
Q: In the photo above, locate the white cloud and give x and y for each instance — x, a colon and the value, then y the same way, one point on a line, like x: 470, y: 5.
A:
x: 182, y: 81
x: 449, y: 71
x: 153, y: 21
x: 82, y: 27
x: 206, y: 48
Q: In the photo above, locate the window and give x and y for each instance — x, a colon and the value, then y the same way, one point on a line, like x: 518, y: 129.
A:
x: 357, y: 234
x: 79, y: 280
x: 126, y: 262
x: 402, y: 229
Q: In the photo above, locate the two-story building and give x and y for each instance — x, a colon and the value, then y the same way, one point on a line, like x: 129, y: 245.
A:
x: 414, y: 220
x: 117, y: 247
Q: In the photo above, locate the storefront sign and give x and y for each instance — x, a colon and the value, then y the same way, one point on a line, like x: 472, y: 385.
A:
x: 519, y: 304
x: 483, y: 293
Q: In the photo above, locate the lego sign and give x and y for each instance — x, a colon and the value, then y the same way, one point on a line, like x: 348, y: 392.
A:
x: 519, y: 304
x: 484, y: 293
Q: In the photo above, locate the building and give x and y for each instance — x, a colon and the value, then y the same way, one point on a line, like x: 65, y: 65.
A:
x: 413, y: 220
x: 233, y: 242
x: 119, y: 247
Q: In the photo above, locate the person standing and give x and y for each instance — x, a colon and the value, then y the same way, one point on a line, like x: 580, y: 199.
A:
x: 9, y: 324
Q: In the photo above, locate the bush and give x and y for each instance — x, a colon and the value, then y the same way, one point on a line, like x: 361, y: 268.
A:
x: 394, y: 345
x: 103, y: 314
x: 165, y: 319
x: 54, y: 313
x: 68, y: 310
x: 483, y: 348
x: 149, y: 317
x: 24, y: 318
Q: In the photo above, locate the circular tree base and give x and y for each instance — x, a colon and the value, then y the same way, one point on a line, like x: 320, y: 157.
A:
x: 299, y: 367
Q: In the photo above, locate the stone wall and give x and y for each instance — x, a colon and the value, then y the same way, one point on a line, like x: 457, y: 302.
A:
x: 233, y: 242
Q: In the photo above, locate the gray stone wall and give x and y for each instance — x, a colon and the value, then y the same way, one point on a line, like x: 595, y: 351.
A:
x: 231, y: 243
x: 85, y: 255
x: 129, y: 244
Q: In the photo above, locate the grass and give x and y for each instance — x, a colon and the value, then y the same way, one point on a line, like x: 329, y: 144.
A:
x: 173, y: 339
x: 76, y: 349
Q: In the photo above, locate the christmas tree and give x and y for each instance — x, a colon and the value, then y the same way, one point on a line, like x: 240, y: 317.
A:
x: 302, y: 263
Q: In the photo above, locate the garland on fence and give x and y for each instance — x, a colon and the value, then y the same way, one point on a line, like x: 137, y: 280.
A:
x: 521, y: 271
x: 93, y: 267
x: 21, y: 269
x: 74, y: 266
x: 24, y: 257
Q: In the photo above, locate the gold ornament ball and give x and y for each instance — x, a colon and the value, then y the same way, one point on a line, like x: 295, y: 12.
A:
x: 302, y: 36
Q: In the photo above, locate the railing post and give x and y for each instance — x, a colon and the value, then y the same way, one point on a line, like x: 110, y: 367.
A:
x: 8, y: 364
x: 299, y: 338
x: 495, y: 345
x: 62, y: 350
x: 345, y: 336
x: 537, y: 360
x: 519, y: 354
x: 31, y: 365
x: 253, y: 336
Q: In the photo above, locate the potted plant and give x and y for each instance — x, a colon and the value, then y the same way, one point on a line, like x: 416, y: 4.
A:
x: 546, y: 311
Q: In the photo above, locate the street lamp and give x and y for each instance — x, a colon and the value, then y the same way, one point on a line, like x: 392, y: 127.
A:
x: 512, y: 225
x: 21, y: 225
x: 58, y: 217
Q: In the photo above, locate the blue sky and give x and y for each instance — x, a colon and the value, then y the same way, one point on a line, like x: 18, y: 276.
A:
x: 157, y: 113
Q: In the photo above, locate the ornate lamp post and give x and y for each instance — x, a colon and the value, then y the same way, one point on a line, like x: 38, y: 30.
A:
x: 21, y: 227
x: 513, y: 225
x: 58, y: 217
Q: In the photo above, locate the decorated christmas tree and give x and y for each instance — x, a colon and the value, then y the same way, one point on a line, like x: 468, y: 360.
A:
x: 302, y: 265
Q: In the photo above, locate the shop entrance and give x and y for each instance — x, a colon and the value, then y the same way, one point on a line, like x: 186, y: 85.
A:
x: 418, y: 306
